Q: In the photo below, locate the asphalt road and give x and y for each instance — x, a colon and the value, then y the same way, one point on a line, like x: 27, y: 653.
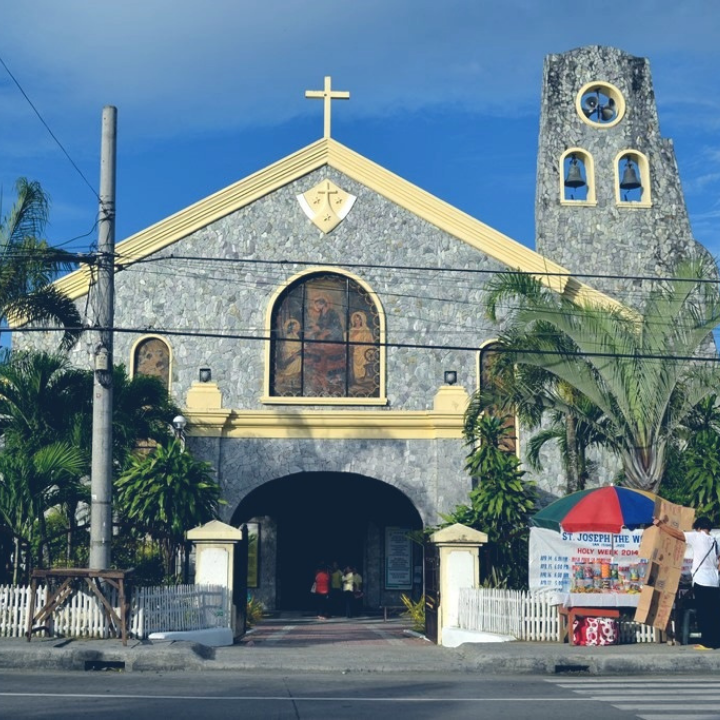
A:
x: 200, y: 696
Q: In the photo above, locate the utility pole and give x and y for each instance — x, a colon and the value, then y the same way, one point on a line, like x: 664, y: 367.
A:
x: 104, y: 310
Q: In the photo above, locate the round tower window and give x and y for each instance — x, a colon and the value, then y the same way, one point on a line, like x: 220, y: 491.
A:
x: 600, y: 104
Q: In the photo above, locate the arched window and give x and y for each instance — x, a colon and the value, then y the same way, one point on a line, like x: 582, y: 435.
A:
x: 325, y: 335
x: 151, y: 356
x: 577, y: 178
x: 632, y: 179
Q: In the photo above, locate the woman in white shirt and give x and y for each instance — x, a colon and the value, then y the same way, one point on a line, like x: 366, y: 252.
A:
x: 705, y: 578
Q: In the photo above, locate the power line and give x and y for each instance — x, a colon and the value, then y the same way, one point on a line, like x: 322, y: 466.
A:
x: 387, y: 293
x: 419, y: 268
x: 401, y: 345
x: 47, y: 127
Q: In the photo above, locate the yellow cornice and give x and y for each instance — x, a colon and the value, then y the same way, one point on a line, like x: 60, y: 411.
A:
x: 328, y: 151
x: 204, y: 212
x: 327, y: 424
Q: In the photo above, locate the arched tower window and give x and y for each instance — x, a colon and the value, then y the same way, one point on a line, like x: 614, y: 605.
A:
x: 325, y: 340
x: 577, y: 178
x: 151, y: 356
x: 632, y: 179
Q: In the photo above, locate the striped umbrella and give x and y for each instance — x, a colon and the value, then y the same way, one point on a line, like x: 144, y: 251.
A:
x: 605, y: 509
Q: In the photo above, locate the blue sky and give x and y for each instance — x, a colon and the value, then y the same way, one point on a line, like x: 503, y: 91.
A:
x: 444, y: 94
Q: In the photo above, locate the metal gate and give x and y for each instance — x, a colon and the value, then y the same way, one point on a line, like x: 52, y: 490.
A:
x: 240, y: 583
x: 432, y: 590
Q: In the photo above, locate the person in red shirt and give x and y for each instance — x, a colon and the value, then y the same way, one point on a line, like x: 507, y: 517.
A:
x: 322, y: 591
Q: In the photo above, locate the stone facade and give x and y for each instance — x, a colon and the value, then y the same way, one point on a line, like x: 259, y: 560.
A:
x: 209, y: 295
x: 610, y: 238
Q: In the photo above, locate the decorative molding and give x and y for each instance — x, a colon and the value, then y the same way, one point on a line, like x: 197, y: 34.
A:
x: 329, y: 152
x: 326, y: 424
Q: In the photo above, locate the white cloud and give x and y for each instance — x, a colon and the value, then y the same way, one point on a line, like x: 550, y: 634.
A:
x: 180, y: 65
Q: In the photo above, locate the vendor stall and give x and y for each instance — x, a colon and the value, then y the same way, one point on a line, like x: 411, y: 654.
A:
x: 584, y: 550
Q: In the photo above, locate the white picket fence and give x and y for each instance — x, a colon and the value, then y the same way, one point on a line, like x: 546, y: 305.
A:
x: 527, y: 617
x: 178, y: 607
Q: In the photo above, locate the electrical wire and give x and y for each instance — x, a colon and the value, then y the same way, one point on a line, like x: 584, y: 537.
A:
x: 225, y: 335
x: 47, y: 127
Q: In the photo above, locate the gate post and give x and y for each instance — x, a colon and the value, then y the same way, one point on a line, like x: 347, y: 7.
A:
x: 458, y: 549
x: 221, y: 559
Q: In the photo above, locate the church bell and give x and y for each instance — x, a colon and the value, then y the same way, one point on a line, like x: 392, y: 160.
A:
x: 574, y: 178
x: 630, y: 179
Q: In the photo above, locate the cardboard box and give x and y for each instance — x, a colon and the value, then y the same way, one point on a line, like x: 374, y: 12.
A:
x: 664, y: 578
x: 676, y: 516
x: 665, y: 555
x: 659, y: 547
x: 654, y: 607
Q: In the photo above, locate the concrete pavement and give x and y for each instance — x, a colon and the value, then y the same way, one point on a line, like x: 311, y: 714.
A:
x: 359, y: 645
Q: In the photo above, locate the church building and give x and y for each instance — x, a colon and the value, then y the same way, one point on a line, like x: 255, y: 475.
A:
x: 320, y: 321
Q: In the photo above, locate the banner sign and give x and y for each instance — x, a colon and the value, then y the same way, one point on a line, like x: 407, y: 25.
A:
x: 586, y: 562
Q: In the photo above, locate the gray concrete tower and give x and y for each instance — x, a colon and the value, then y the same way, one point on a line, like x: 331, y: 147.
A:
x: 599, y: 129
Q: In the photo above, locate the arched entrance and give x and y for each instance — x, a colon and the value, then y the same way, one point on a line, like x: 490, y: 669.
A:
x: 326, y: 517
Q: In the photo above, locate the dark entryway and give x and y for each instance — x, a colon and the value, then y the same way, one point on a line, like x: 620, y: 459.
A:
x: 324, y: 517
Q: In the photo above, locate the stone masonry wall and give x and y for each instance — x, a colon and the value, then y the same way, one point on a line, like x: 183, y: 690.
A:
x: 608, y: 239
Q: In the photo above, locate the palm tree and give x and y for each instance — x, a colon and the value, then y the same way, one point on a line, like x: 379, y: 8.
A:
x: 572, y: 437
x: 643, y: 372
x: 30, y: 484
x: 39, y: 464
x: 142, y: 410
x: 28, y: 265
x: 166, y: 492
x: 46, y: 415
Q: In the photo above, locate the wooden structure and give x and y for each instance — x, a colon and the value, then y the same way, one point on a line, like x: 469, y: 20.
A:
x: 568, y: 615
x: 63, y: 582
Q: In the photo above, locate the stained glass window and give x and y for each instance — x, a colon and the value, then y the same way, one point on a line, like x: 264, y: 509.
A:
x: 152, y: 357
x: 325, y: 340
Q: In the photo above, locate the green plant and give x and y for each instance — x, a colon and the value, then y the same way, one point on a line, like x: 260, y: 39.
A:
x: 164, y: 493
x: 29, y: 265
x: 501, y: 501
x: 609, y: 355
x: 415, y: 611
x: 255, y: 611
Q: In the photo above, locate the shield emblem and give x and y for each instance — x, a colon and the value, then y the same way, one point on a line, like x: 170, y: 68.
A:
x: 326, y: 205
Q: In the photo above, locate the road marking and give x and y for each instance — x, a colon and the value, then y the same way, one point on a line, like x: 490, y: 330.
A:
x: 279, y: 698
x: 658, y: 699
x: 675, y: 716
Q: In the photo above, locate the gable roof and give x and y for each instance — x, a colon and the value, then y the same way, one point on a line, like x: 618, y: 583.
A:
x: 332, y: 153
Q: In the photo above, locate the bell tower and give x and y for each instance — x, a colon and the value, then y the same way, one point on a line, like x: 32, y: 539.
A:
x: 608, y: 198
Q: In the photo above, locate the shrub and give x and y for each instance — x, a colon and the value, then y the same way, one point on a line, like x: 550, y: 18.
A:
x: 415, y: 611
x: 255, y: 611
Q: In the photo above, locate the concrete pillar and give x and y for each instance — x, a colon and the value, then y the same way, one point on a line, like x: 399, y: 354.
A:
x: 218, y: 561
x: 459, y: 549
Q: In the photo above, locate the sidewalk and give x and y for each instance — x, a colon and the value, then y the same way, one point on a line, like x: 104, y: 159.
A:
x: 358, y: 645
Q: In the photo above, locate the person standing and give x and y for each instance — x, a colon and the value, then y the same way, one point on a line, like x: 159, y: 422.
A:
x: 336, y: 589
x: 322, y: 591
x: 348, y: 586
x: 705, y: 578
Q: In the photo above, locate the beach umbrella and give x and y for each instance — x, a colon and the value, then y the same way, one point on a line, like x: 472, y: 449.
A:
x: 604, y: 509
